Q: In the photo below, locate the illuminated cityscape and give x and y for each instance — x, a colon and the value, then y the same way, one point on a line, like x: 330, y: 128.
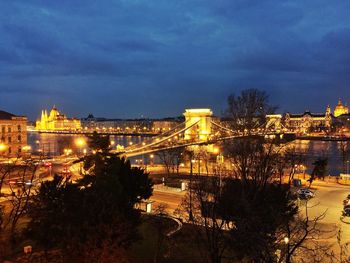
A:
x: 174, y: 131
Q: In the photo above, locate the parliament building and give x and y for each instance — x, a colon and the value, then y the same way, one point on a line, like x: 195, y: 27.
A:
x: 56, y: 121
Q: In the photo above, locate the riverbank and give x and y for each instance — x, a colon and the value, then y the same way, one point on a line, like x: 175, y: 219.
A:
x: 323, y: 138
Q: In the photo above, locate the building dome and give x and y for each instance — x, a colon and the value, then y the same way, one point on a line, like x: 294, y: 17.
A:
x: 340, y: 109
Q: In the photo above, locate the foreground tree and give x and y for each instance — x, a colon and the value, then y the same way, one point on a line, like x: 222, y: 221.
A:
x: 320, y: 169
x: 93, y: 220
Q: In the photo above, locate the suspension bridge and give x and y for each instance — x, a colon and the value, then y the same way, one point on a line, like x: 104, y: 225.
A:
x: 199, y: 128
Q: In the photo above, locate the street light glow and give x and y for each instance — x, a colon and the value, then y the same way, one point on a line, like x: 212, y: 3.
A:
x: 80, y: 142
x: 286, y: 240
x: 2, y: 147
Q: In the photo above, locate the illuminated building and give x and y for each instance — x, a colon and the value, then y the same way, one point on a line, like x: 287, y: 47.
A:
x: 308, y: 122
x: 13, y: 135
x: 198, y: 124
x: 57, y: 121
x: 131, y: 125
x: 340, y: 109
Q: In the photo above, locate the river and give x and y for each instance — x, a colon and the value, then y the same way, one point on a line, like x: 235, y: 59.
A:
x: 51, y: 145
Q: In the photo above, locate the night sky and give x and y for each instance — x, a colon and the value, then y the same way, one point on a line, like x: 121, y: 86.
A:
x: 127, y: 58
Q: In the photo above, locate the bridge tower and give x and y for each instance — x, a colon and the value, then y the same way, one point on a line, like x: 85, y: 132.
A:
x: 198, y: 122
x: 273, y: 122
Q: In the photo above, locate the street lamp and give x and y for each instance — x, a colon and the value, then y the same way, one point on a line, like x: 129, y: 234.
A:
x: 80, y: 142
x: 286, y: 241
x: 3, y: 147
x: 151, y: 157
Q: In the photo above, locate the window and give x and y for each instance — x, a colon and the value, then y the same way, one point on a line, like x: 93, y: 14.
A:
x: 9, y: 129
x: 19, y: 138
x: 9, y: 139
x: 19, y: 149
x: 10, y: 150
x: 3, y: 129
x: 19, y: 127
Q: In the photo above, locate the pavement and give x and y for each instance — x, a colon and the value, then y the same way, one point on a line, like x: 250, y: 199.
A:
x: 328, y: 199
x: 170, y: 197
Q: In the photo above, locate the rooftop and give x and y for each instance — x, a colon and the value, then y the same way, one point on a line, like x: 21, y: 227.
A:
x: 6, y: 115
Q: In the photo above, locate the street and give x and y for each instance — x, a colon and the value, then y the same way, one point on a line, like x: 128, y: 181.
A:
x: 329, y: 198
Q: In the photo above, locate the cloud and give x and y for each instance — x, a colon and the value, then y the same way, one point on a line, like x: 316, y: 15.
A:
x: 159, y: 56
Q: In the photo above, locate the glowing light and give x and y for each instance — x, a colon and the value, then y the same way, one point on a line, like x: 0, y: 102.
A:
x: 80, y: 142
x: 27, y: 148
x: 3, y: 147
x: 216, y: 150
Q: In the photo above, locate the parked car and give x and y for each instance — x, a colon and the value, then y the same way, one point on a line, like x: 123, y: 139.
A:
x: 305, y: 193
x: 346, y: 202
x: 346, y: 212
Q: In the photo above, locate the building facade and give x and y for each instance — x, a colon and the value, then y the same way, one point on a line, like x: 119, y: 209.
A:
x: 57, y: 121
x: 308, y: 122
x: 130, y: 125
x: 13, y: 135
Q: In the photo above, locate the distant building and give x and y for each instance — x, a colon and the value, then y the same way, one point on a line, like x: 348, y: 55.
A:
x: 343, y: 122
x: 308, y: 122
x: 340, y: 109
x: 57, y: 121
x: 13, y: 135
x: 131, y: 125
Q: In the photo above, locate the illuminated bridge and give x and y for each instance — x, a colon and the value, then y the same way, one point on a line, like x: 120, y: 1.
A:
x: 199, y: 128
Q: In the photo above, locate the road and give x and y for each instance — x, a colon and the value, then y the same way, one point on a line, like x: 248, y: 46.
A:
x: 168, y: 197
x: 329, y: 199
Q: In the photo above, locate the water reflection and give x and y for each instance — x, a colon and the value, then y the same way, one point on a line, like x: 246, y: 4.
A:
x: 315, y: 149
x: 54, y: 144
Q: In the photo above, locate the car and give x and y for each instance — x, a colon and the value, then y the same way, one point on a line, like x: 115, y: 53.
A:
x: 346, y: 212
x: 346, y: 202
x: 305, y: 193
x: 12, y: 182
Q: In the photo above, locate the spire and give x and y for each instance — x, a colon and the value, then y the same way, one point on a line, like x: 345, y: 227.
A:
x: 339, y: 102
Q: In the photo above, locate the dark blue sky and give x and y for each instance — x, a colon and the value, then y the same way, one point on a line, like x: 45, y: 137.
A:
x: 126, y: 58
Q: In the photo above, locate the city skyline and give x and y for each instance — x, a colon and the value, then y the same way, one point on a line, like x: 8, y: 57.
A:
x: 127, y: 59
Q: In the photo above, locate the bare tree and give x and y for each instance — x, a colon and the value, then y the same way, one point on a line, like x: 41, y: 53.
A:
x: 299, y: 238
x: 171, y: 159
x: 344, y: 149
x: 203, y: 206
x: 21, y: 193
x: 248, y: 110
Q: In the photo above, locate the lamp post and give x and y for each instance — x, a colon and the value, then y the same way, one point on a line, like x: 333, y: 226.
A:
x: 3, y: 148
x: 191, y: 174
x: 347, y: 166
x: 286, y: 241
x: 151, y: 159
x: 27, y: 150
x: 80, y: 142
